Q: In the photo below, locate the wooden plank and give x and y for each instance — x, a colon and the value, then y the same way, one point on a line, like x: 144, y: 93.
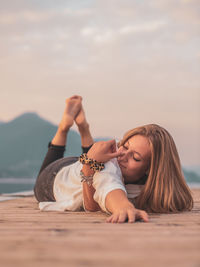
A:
x: 30, y: 237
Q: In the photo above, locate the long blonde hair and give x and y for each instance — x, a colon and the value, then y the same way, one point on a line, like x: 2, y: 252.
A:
x: 165, y: 188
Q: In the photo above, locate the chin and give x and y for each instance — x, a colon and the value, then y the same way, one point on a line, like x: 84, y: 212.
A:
x: 130, y: 181
x: 127, y: 181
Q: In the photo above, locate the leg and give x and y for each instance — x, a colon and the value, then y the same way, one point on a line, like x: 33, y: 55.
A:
x: 57, y: 145
x: 83, y: 128
x: 72, y: 108
x: 43, y: 188
x: 54, y: 160
x: 73, y: 111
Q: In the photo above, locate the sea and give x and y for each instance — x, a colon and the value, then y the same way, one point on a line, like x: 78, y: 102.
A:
x: 14, y: 185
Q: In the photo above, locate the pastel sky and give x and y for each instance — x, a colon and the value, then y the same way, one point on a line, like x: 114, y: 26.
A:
x: 134, y: 62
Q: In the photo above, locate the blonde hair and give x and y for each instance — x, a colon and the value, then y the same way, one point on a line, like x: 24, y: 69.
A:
x: 165, y: 188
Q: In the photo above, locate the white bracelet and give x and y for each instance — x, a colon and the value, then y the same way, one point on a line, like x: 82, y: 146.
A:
x: 87, y: 179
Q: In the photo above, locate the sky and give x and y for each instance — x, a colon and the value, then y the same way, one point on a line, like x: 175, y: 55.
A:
x: 134, y: 62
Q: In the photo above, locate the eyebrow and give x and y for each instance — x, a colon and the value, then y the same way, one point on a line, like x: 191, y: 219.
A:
x: 136, y: 151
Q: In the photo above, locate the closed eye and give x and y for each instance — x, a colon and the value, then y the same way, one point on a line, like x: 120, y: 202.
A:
x: 125, y: 147
x: 136, y: 159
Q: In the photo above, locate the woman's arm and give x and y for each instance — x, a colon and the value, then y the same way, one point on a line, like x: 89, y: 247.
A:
x: 122, y: 209
x: 88, y: 192
x: 101, y: 151
x: 86, y: 142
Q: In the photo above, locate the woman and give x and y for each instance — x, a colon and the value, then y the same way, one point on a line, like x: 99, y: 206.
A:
x: 142, y: 173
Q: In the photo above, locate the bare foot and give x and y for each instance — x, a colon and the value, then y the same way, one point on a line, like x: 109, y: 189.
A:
x: 80, y: 119
x: 72, y: 108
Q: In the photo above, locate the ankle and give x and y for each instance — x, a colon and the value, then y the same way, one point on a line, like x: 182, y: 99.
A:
x: 83, y: 127
x: 63, y: 129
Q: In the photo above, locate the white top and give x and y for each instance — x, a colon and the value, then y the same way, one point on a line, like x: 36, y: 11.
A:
x: 68, y: 191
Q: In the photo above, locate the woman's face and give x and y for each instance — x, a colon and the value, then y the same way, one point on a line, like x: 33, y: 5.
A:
x: 135, y: 161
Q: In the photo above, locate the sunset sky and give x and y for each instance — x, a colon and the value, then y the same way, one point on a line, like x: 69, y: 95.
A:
x: 134, y: 62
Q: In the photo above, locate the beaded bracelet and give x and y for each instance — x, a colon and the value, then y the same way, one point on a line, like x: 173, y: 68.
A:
x: 87, y: 179
x: 94, y: 165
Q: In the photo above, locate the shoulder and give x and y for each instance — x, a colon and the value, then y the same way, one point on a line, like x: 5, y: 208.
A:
x: 110, y: 175
x: 112, y: 165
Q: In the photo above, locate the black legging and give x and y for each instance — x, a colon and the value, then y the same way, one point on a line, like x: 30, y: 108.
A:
x: 53, y: 162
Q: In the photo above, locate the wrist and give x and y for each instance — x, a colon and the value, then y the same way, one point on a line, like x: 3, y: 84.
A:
x: 86, y: 179
x: 95, y: 165
x: 87, y: 171
x: 92, y: 156
x: 87, y: 175
x: 117, y: 201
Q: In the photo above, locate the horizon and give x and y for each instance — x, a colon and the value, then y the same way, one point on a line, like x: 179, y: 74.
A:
x: 194, y: 167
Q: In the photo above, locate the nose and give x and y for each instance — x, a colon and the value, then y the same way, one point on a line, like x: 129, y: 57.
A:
x: 123, y: 157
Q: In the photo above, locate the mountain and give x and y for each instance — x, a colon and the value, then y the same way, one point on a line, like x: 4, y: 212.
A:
x: 24, y: 142
x: 194, y: 168
x: 191, y: 176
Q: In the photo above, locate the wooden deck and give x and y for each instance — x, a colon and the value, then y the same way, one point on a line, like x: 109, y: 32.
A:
x: 30, y: 237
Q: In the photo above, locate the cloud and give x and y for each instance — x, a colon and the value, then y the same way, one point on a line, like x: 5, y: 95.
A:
x: 151, y: 26
x: 185, y: 11
x: 105, y: 37
x: 135, y: 58
x: 37, y: 16
x: 102, y: 35
x: 88, y: 31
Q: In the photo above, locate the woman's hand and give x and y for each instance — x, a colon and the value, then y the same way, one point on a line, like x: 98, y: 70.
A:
x: 130, y: 213
x: 103, y: 151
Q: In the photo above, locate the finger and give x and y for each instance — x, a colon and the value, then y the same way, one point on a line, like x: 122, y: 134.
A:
x: 115, y: 218
x: 131, y: 216
x: 145, y: 217
x: 109, y: 219
x: 111, y: 142
x: 113, y: 148
x: 116, y: 154
x: 142, y: 215
x: 122, y: 217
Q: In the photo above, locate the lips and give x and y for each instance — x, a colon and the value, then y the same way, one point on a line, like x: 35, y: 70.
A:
x: 121, y: 165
